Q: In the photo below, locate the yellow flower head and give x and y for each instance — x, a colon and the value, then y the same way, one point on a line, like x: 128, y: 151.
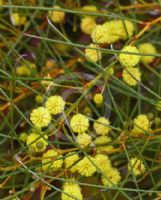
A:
x: 102, y: 162
x: 111, y: 177
x: 56, y: 16
x: 86, y: 166
x: 100, y: 35
x: 40, y: 117
x: 131, y: 76
x: 93, y: 54
x: 98, y: 98
x: 147, y: 48
x: 47, y: 83
x: 158, y: 106
x: 18, y: 19
x: 101, y: 126
x: 79, y: 123
x: 89, y: 8
x: 136, y: 166
x: 55, y: 104
x: 102, y: 144
x: 51, y: 160
x: 84, y: 139
x: 70, y: 159
x: 87, y: 24
x: 141, y: 123
x: 37, y: 142
x: 111, y: 31
x: 125, y: 29
x: 23, y: 137
x: 71, y: 191
x: 129, y: 60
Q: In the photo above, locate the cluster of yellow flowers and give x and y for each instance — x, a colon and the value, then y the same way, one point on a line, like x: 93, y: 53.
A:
x: 88, y: 23
x: 87, y: 167
x: 131, y: 74
x: 105, y: 33
x: 79, y: 123
x: 41, y: 117
x: 100, y: 163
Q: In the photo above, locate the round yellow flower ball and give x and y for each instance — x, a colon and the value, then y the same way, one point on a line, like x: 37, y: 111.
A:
x: 147, y: 48
x: 125, y: 29
x: 129, y: 60
x: 40, y: 117
x: 141, y: 123
x: 79, y: 123
x: 71, y: 191
x: 111, y: 31
x: 55, y: 104
x: 100, y: 35
x: 98, y: 98
x: 102, y: 162
x: 87, y: 24
x: 131, y: 76
x: 93, y: 54
x: 56, y: 16
x: 86, y: 167
x: 101, y: 126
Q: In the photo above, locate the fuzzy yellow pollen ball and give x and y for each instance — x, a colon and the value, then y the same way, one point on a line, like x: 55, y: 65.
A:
x: 40, y: 117
x: 56, y: 16
x: 129, y: 60
x: 131, y: 76
x: 79, y: 123
x: 93, y: 54
x: 55, y: 104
